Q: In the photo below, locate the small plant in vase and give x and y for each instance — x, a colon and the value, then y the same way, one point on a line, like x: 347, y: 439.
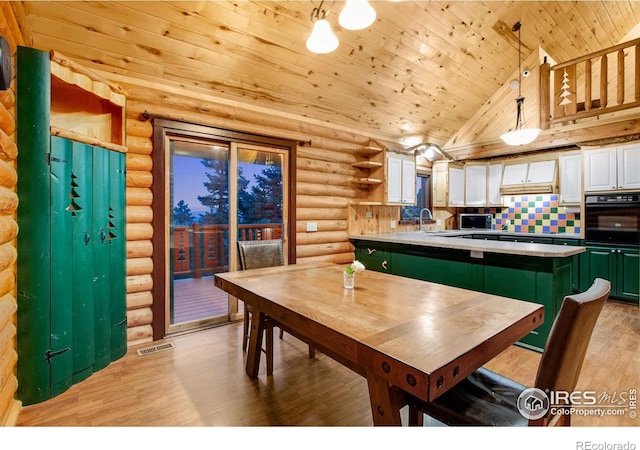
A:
x: 349, y: 273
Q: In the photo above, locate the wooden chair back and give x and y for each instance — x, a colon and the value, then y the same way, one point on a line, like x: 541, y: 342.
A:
x: 569, y: 338
x: 259, y: 254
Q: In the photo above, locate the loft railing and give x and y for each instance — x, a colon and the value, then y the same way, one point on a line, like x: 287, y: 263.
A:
x: 601, y: 82
x: 200, y: 250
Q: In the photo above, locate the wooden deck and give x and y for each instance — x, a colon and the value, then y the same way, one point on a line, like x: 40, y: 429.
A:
x: 197, y: 299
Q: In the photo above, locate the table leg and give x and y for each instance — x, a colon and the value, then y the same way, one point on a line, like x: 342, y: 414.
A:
x: 416, y: 418
x: 385, y: 401
x: 255, y: 342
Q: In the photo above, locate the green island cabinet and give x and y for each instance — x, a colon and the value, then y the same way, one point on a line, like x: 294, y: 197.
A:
x: 71, y: 267
x: 536, y: 279
x: 620, y: 265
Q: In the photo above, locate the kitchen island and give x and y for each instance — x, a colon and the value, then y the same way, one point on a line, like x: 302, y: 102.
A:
x: 493, y: 262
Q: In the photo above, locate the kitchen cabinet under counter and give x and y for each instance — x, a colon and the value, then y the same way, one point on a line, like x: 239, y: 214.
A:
x: 620, y: 265
x: 540, y: 273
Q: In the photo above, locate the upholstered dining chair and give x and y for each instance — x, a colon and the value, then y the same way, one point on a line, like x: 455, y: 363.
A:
x: 256, y: 255
x: 486, y: 398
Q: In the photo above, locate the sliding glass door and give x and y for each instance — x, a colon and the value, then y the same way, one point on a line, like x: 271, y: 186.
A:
x: 198, y: 232
x: 218, y: 193
x: 211, y: 188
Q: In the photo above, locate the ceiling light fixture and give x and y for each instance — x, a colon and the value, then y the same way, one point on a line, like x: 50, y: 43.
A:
x: 322, y: 40
x: 357, y: 15
x: 520, y: 135
x: 428, y: 151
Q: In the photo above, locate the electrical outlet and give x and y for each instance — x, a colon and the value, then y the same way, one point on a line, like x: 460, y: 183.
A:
x: 368, y: 214
x: 393, y: 224
x: 312, y: 226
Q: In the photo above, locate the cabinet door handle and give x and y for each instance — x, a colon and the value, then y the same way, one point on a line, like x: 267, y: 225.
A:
x: 371, y: 251
x: 384, y: 265
x: 87, y: 238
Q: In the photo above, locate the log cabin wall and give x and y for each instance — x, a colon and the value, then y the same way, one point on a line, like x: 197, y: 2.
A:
x: 11, y: 15
x: 323, y: 192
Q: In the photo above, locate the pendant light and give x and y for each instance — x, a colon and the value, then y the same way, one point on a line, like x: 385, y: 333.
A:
x: 520, y: 135
x: 357, y: 15
x: 322, y: 40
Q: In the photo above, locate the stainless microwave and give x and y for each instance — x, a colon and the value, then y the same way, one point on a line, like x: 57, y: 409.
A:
x: 475, y: 221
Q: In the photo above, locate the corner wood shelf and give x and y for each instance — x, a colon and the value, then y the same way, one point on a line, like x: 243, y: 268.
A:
x: 373, y: 162
x: 369, y: 150
x: 367, y: 164
x: 364, y: 203
x: 366, y: 180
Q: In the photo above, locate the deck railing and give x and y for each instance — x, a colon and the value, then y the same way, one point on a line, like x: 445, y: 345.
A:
x: 601, y: 82
x: 200, y: 250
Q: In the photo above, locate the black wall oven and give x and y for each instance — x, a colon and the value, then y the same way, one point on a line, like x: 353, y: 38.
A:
x: 612, y: 219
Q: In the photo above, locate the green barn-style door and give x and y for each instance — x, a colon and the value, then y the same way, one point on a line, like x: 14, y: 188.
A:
x: 71, y: 247
x: 87, y: 261
x: 87, y: 273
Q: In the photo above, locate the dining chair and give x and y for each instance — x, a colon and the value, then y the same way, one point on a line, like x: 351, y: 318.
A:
x: 486, y: 398
x: 256, y: 255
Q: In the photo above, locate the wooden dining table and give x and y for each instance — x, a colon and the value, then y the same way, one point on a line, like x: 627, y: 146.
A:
x: 406, y: 337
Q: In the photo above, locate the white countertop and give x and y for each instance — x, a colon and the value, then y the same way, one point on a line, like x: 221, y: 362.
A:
x: 453, y: 239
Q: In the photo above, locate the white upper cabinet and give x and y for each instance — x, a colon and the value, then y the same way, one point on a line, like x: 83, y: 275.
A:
x: 514, y: 174
x: 612, y: 168
x: 541, y: 172
x: 600, y: 169
x: 456, y: 186
x: 532, y: 177
x: 394, y: 180
x: 401, y: 180
x: 493, y: 189
x: 440, y: 184
x: 629, y: 167
x: 570, y: 179
x: 475, y: 181
x: 408, y: 181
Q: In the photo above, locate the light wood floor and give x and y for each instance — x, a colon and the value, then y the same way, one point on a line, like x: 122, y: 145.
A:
x: 201, y: 382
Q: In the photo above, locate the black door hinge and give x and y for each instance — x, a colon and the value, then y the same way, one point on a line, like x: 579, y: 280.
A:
x: 48, y: 355
x: 51, y: 159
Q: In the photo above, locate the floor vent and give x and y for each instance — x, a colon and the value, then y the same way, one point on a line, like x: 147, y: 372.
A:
x: 155, y: 349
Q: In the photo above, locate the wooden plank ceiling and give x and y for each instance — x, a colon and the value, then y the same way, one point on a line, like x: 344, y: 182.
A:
x: 423, y: 68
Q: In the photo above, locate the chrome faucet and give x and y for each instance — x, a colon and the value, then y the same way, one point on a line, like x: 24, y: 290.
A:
x: 429, y: 217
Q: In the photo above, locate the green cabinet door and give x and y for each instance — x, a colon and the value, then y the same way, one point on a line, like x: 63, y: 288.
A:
x: 82, y: 293
x: 628, y: 284
x: 575, y: 260
x: 374, y: 256
x: 619, y: 265
x: 72, y: 293
x: 601, y: 263
x: 101, y: 259
x: 63, y: 209
x: 449, y: 268
x: 117, y: 254
x: 540, y: 280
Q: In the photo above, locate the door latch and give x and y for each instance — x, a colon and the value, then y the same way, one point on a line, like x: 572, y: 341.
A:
x: 48, y: 355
